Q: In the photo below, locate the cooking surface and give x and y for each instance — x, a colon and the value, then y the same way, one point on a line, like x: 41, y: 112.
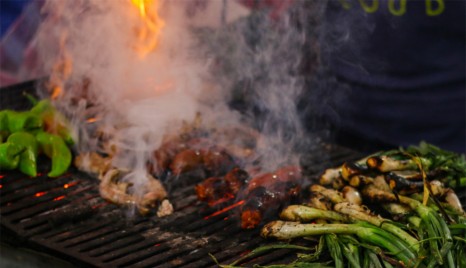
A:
x: 66, y: 217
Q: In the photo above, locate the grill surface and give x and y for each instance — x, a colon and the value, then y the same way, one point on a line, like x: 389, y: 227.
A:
x: 67, y: 218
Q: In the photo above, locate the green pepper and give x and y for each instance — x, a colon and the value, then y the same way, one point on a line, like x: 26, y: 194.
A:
x: 10, y: 155
x: 54, y: 121
x: 28, y: 158
x: 4, y: 132
x: 22, y: 121
x: 56, y: 149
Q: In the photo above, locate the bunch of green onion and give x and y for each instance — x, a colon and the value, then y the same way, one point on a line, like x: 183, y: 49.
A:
x: 430, y: 232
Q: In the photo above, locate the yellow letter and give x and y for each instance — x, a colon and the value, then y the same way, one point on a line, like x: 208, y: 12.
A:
x: 369, y: 9
x: 438, y: 11
x: 400, y: 11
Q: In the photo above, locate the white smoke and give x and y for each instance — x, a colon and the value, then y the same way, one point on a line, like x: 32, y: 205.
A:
x: 138, y: 100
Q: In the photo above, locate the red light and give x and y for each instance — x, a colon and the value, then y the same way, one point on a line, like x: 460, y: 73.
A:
x: 59, y: 198
x: 39, y: 194
x: 239, y: 203
x: 1, y: 176
x: 157, y: 245
x: 1, y: 186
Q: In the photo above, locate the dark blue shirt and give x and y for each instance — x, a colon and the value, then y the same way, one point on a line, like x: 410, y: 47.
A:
x: 404, y: 65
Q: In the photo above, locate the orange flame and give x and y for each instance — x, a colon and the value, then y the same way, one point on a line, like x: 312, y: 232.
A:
x: 61, y: 70
x: 148, y: 35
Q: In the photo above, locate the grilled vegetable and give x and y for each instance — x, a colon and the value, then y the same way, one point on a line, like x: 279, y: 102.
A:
x: 10, y: 155
x: 307, y: 214
x: 22, y: 121
x: 56, y: 149
x: 54, y: 121
x: 424, y: 226
x: 28, y: 158
x: 366, y: 232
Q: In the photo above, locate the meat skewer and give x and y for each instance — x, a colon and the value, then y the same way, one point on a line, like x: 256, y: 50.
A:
x: 268, y: 193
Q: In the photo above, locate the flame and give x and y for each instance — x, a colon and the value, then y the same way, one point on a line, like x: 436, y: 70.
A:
x: 61, y: 70
x: 148, y: 34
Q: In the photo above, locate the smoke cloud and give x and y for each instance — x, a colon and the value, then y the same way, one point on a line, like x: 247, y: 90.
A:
x: 235, y: 67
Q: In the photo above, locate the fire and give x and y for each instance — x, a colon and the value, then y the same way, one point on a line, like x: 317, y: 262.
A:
x: 148, y: 35
x: 61, y: 70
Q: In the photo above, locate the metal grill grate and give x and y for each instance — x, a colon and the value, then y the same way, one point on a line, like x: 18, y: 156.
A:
x: 66, y: 217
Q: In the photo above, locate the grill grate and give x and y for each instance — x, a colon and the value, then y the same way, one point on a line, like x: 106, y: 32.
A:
x: 67, y: 218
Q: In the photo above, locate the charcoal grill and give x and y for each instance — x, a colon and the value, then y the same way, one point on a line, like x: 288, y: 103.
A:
x: 67, y: 218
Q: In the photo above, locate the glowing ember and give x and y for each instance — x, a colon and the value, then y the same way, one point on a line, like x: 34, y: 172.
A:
x: 221, y: 200
x: 216, y: 213
x: 59, y: 198
x: 39, y: 194
x: 68, y: 185
x: 153, y: 24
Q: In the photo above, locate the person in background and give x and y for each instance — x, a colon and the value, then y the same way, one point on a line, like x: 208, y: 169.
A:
x: 400, y: 67
x: 390, y: 72
x: 393, y: 70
